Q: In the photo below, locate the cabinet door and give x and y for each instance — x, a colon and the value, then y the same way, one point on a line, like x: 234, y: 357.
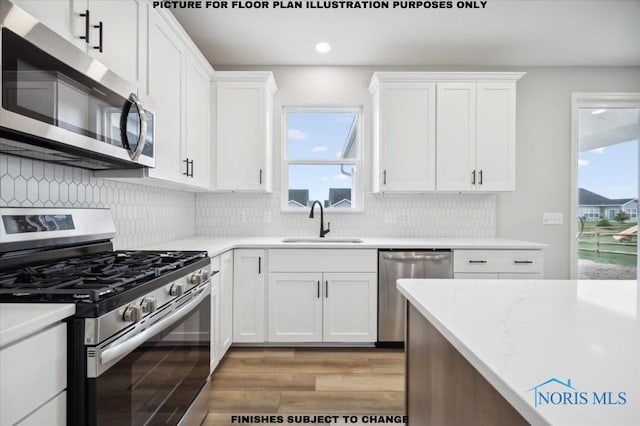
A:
x: 496, y: 136
x: 242, y: 117
x: 62, y: 16
x: 249, y: 296
x: 350, y: 307
x: 226, y: 301
x: 215, y: 323
x: 407, y: 137
x: 456, y: 137
x: 165, y: 78
x: 295, y: 307
x: 120, y: 36
x: 197, y: 137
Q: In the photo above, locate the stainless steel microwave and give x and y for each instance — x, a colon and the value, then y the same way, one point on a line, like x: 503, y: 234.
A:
x: 62, y: 106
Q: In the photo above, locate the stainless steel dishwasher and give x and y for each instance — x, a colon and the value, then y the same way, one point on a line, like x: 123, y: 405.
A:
x: 394, y: 265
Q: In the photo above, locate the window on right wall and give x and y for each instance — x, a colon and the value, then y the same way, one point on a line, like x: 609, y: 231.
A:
x: 322, y: 158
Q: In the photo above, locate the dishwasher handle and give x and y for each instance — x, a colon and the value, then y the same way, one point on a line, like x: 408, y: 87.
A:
x: 416, y: 257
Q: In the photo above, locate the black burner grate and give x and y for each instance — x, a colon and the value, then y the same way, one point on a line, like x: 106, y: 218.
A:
x: 91, y: 278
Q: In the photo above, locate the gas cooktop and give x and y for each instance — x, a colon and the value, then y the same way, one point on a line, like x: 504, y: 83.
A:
x: 92, y: 278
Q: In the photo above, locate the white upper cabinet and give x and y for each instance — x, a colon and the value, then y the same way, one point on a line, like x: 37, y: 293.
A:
x: 115, y: 35
x: 108, y: 30
x: 444, y: 131
x: 456, y: 135
x: 476, y: 136
x: 404, y: 136
x: 178, y: 81
x: 244, y: 130
x: 496, y: 136
x: 197, y: 124
x: 165, y: 78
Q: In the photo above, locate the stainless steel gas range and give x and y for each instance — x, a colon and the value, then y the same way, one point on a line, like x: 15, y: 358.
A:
x: 139, y: 344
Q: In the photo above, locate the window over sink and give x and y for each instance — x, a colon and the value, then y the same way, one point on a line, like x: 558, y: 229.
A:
x: 322, y: 158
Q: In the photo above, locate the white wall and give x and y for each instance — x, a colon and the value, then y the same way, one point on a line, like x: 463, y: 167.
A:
x: 543, y: 144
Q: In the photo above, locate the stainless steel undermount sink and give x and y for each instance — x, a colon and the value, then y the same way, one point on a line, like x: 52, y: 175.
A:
x: 321, y: 240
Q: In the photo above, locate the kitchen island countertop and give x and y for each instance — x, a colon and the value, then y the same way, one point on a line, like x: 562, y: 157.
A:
x: 559, y: 351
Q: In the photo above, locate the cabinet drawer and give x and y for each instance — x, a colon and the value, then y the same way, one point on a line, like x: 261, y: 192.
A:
x: 323, y: 260
x: 498, y: 261
x: 33, y: 371
x: 53, y: 413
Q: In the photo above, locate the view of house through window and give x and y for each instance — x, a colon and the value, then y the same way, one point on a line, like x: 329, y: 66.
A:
x: 607, y: 193
x: 322, y: 158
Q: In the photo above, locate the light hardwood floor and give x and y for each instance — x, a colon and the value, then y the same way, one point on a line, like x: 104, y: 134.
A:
x: 307, y: 381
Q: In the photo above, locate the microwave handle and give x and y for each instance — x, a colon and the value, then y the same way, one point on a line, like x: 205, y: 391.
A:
x: 142, y: 136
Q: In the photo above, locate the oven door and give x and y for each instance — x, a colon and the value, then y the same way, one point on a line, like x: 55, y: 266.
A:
x: 153, y: 376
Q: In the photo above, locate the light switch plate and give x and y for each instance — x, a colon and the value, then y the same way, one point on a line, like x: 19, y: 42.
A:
x: 552, y: 218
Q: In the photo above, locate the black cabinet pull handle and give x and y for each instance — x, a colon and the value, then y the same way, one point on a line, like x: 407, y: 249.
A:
x: 480, y: 177
x: 191, y: 175
x: 473, y: 177
x: 384, y: 177
x: 318, y: 287
x: 259, y: 265
x: 523, y: 262
x: 87, y: 26
x: 187, y: 163
x: 477, y: 261
x: 100, y: 28
x: 260, y: 177
x: 326, y: 289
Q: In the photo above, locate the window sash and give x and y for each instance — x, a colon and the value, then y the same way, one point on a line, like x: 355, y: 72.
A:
x: 356, y: 184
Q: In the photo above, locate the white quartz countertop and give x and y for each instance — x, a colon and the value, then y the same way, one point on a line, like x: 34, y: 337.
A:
x: 575, y: 343
x: 217, y: 245
x: 19, y: 320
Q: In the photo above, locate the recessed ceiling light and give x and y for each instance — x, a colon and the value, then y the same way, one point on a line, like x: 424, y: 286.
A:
x: 323, y: 47
x: 598, y: 111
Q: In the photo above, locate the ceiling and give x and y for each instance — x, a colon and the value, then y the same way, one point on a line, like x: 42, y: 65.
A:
x: 600, y: 128
x: 505, y: 33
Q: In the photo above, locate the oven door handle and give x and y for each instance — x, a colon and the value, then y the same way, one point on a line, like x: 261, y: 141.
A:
x: 128, y: 345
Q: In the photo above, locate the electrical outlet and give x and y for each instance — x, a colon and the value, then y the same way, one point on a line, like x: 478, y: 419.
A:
x: 403, y: 217
x: 242, y: 216
x: 266, y: 216
x: 552, y: 218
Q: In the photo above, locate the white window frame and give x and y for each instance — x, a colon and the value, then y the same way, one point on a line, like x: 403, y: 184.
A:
x: 357, y: 190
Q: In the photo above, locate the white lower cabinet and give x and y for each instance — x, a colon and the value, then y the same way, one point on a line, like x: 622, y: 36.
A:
x: 33, y: 372
x: 249, y: 321
x: 214, y: 332
x: 315, y: 306
x: 53, y: 413
x: 226, y: 302
x: 295, y: 307
x: 350, y: 307
x: 501, y: 264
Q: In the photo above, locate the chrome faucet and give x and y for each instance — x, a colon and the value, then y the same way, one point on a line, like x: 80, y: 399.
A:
x: 323, y: 231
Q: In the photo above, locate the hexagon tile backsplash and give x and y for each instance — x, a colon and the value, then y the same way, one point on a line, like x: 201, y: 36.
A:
x: 385, y: 215
x: 143, y: 215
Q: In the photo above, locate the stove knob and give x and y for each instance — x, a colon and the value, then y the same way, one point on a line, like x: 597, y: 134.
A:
x: 149, y: 304
x: 132, y: 314
x: 176, y: 290
x: 196, y: 278
x: 205, y: 275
